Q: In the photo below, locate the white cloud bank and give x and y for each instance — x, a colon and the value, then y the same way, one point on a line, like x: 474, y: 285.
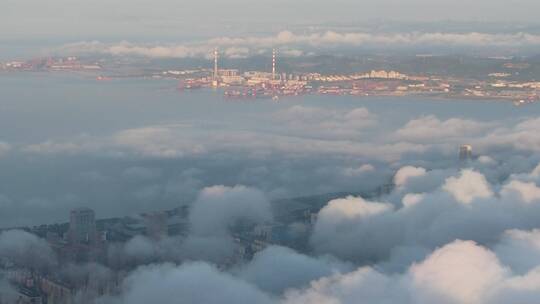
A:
x: 292, y: 43
x: 464, y: 205
x: 459, y: 272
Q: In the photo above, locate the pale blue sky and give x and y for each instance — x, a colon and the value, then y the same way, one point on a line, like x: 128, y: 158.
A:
x: 98, y: 19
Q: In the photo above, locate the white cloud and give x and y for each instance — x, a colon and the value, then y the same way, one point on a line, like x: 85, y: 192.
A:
x: 218, y: 207
x: 363, y: 284
x: 276, y: 269
x: 523, y: 136
x: 411, y: 199
x: 405, y: 173
x: 337, y: 138
x: 4, y: 148
x: 236, y: 47
x: 326, y: 123
x: 363, y: 169
x: 432, y: 129
x: 77, y: 146
x: 26, y: 250
x: 528, y: 192
x: 189, y: 283
x: 519, y: 249
x: 461, y: 271
x: 470, y: 185
x: 486, y: 160
x: 536, y: 171
x: 463, y: 206
x: 141, y: 173
x: 350, y: 208
x: 156, y: 141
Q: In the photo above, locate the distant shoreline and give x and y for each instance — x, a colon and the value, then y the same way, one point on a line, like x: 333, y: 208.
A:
x: 85, y: 74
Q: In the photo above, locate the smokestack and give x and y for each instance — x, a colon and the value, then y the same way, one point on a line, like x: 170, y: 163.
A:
x: 215, y: 65
x: 273, y: 64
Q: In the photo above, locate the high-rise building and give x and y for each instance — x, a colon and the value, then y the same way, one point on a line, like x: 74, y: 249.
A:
x: 82, y: 226
x: 465, y: 152
x: 156, y: 224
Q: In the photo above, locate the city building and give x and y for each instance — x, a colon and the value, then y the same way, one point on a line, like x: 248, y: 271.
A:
x: 82, y: 226
x: 57, y: 291
x: 156, y: 224
x: 27, y: 295
x: 465, y: 152
x: 231, y: 77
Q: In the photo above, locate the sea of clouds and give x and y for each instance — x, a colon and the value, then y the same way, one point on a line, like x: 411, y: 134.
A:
x: 448, y: 232
x: 294, y: 44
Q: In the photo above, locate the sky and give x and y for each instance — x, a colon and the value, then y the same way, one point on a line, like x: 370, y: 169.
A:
x: 31, y: 28
x: 137, y: 19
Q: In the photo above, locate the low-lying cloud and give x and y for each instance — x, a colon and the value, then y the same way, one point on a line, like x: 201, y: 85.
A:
x: 464, y: 206
x: 294, y: 44
x: 459, y: 272
x: 26, y: 250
